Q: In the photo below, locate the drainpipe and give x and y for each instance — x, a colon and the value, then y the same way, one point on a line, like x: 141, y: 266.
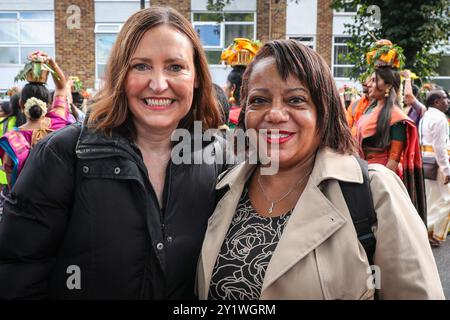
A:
x: 270, y: 20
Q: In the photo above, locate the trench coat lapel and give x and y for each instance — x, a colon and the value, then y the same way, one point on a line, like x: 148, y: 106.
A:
x: 311, y: 223
x: 220, y: 221
x: 314, y: 218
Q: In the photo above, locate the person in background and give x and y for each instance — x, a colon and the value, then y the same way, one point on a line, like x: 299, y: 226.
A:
x: 14, y: 119
x: 384, y: 132
x: 357, y: 108
x: 222, y: 101
x: 232, y: 90
x: 447, y: 113
x: 289, y: 235
x: 434, y: 138
x: 15, y: 145
x: 414, y: 108
x: 6, y: 123
x: 107, y: 195
x: 16, y: 110
x: 348, y: 95
x: 75, y: 100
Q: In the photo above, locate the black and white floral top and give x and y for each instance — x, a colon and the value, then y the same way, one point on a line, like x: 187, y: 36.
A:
x: 239, y: 270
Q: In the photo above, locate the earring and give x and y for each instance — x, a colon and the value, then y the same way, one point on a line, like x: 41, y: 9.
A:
x: 231, y: 99
x: 388, y: 91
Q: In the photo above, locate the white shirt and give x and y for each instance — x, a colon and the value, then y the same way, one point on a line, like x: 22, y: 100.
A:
x: 434, y: 131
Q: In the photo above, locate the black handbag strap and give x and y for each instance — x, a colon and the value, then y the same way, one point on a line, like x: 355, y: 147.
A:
x: 358, y: 198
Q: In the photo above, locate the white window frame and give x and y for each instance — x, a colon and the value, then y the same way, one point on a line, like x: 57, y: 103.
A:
x: 313, y: 42
x: 333, y: 64
x: 19, y: 43
x: 222, y: 33
x: 98, y: 31
x: 98, y: 27
x: 224, y: 45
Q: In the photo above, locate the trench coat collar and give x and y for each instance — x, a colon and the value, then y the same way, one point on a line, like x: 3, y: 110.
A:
x: 328, y: 165
x: 313, y: 220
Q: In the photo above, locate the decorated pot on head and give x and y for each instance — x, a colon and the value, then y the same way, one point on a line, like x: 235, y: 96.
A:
x: 240, y: 52
x: 36, y: 70
x: 385, y: 54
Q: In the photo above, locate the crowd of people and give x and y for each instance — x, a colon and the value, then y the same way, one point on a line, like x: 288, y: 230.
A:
x: 98, y: 188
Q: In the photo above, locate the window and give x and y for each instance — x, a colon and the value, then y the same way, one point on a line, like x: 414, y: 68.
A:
x: 103, y: 45
x: 307, y: 41
x: 18, y: 36
x: 216, y: 36
x: 341, y: 66
x: 444, y: 66
x: 105, y: 36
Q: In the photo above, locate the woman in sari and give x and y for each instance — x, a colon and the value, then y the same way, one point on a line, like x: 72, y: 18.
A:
x: 387, y: 136
x: 15, y: 145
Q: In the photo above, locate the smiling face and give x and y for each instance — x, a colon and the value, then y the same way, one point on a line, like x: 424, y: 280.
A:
x: 160, y: 82
x: 284, y: 105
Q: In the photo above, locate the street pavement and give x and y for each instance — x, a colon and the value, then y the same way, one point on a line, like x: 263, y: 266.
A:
x: 442, y: 256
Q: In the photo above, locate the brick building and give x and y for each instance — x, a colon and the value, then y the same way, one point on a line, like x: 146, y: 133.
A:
x: 80, y: 33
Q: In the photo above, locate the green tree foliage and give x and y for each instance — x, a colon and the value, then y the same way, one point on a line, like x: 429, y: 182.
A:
x: 420, y: 27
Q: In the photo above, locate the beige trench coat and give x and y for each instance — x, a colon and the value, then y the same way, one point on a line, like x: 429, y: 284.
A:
x: 318, y: 255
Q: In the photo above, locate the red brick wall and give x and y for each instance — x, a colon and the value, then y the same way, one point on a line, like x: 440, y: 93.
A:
x: 75, y: 48
x: 271, y: 19
x: 324, y: 39
x: 182, y: 6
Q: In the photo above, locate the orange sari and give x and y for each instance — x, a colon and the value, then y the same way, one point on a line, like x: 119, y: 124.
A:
x: 410, y: 166
x: 353, y: 117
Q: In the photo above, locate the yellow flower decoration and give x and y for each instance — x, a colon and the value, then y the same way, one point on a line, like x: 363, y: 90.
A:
x: 384, y: 53
x: 240, y: 52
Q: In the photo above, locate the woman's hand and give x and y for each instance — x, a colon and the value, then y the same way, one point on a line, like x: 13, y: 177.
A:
x: 58, y: 78
x: 406, y: 74
x: 392, y: 165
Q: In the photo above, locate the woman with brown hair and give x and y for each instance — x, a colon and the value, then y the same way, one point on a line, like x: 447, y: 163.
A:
x: 291, y: 235
x: 102, y: 211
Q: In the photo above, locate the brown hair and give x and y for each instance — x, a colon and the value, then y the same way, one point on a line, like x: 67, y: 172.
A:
x: 293, y: 58
x: 110, y: 109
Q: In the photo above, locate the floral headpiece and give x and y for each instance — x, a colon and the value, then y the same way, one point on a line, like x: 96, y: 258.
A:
x: 384, y: 53
x: 77, y: 83
x: 32, y: 102
x: 240, y: 52
x: 351, y: 91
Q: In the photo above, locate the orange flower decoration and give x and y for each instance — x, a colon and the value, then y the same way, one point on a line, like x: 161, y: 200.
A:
x: 240, y: 52
x: 384, y: 53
